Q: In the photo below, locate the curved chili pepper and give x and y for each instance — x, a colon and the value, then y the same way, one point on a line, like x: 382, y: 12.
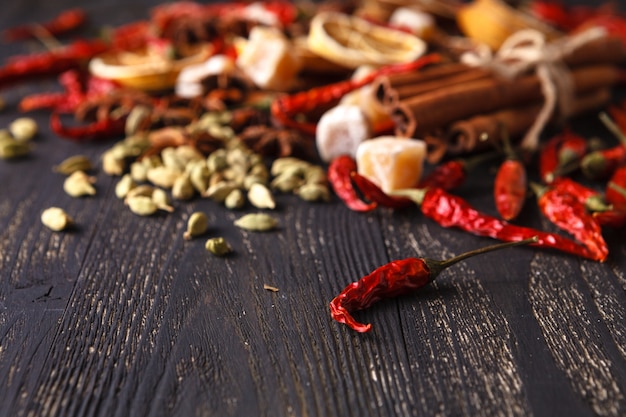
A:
x: 566, y: 212
x: 66, y: 21
x: 394, y: 279
x: 29, y: 67
x: 340, y: 173
x: 99, y: 130
x: 285, y: 108
x: 449, y: 210
x: 375, y: 194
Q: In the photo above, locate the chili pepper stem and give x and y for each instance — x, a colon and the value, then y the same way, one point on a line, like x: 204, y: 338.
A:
x: 538, y: 189
x: 436, y: 266
x: 618, y: 188
x: 613, y: 127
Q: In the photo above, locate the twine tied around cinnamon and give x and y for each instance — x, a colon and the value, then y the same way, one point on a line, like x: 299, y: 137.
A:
x: 527, y: 50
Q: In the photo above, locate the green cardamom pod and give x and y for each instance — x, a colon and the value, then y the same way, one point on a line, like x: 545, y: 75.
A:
x: 261, y: 197
x: 141, y: 205
x: 79, y: 184
x: 55, y: 218
x: 218, y: 246
x: 72, y: 164
x: 197, y: 224
x: 13, y: 149
x: 162, y: 200
x: 124, y: 185
x: 23, y: 129
x: 112, y: 165
x: 183, y: 188
x: 314, y: 192
x: 235, y: 200
x: 257, y: 222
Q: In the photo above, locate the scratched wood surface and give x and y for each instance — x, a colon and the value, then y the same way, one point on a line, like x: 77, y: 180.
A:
x: 123, y: 317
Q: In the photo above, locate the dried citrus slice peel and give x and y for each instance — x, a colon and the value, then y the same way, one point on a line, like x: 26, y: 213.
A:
x: 351, y: 41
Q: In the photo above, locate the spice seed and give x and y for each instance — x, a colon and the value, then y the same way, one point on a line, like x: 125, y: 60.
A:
x: 72, y: 164
x: 55, y: 218
x: 261, y: 197
x: 257, y: 222
x: 197, y: 224
x: 79, y: 184
x: 141, y: 205
x: 13, y: 149
x: 218, y: 246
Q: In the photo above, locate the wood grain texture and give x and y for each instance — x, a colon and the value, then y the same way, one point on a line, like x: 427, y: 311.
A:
x: 122, y: 316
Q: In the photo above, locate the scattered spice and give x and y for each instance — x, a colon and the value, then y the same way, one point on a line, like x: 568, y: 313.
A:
x: 56, y: 219
x: 257, y: 222
x: 270, y: 288
x: 72, y: 164
x: 79, y: 184
x: 197, y: 225
x: 141, y: 205
x: 218, y: 246
x: 23, y: 129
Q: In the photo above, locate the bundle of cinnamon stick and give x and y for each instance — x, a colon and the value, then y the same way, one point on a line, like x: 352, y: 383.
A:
x: 458, y: 108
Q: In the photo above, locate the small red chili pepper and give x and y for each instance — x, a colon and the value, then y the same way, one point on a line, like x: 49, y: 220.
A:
x: 452, y: 174
x: 98, y: 130
x: 65, y: 22
x: 566, y: 212
x: 394, y: 279
x: 615, y: 219
x: 591, y: 199
x: 449, y: 210
x: 340, y: 173
x: 601, y: 164
x: 615, y: 192
x: 285, y: 108
x: 131, y: 36
x: 29, y: 67
x: 510, y: 184
x: 562, y: 153
x: 373, y: 193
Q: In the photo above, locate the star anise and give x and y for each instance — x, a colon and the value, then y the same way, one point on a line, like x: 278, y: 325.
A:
x: 277, y: 141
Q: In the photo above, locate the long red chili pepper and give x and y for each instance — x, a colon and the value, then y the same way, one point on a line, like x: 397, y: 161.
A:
x: 29, y: 67
x: 340, y: 173
x: 285, y: 108
x: 601, y: 164
x: 615, y: 219
x: 66, y: 21
x: 565, y: 211
x: 99, y: 130
x: 394, y: 279
x: 449, y: 210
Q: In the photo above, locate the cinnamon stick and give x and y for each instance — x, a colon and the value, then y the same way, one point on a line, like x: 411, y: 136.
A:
x: 482, y: 131
x: 436, y: 109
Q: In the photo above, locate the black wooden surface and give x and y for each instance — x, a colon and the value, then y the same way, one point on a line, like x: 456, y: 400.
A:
x: 123, y: 317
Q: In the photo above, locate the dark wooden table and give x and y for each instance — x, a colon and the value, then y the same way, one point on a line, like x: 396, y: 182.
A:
x: 122, y: 317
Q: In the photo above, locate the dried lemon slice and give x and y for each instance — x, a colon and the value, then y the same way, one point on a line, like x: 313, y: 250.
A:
x: 351, y: 41
x: 144, y: 70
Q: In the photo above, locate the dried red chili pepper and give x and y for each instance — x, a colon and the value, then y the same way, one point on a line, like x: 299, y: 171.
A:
x: 373, y: 193
x: 285, y: 108
x: 566, y: 212
x: 66, y: 21
x: 29, y: 67
x: 615, y: 219
x: 340, y: 173
x: 78, y: 87
x: 615, y: 192
x: 452, y: 211
x: 510, y: 184
x: 452, y: 174
x: 396, y: 278
x: 601, y: 164
x: 561, y: 154
x: 560, y: 16
x: 590, y: 198
x: 98, y: 130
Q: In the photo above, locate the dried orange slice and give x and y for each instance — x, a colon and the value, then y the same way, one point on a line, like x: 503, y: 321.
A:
x: 351, y: 41
x: 144, y: 69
